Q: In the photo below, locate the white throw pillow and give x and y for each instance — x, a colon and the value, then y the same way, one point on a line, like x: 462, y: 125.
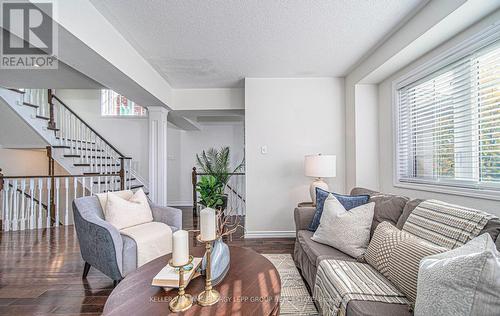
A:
x: 123, y: 213
x: 462, y: 281
x: 348, y: 231
x: 103, y: 197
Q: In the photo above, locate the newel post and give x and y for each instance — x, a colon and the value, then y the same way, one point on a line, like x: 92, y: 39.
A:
x: 52, y: 122
x: 1, y: 180
x: 122, y: 173
x: 194, y: 181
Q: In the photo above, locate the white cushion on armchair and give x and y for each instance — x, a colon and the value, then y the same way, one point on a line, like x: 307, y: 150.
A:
x: 123, y: 213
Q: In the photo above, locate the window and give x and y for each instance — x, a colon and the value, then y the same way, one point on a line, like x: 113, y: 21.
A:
x: 448, y: 123
x: 113, y: 104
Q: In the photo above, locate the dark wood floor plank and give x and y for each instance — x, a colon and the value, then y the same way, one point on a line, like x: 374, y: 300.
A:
x: 40, y: 270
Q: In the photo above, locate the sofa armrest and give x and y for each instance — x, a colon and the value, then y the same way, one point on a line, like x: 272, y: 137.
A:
x: 167, y: 215
x: 303, y: 217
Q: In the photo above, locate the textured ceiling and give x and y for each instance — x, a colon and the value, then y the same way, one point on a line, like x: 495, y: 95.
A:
x: 206, y: 44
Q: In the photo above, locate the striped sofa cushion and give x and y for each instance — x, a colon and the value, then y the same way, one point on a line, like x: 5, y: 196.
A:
x: 338, y: 282
x: 444, y: 224
x: 404, y: 263
x: 384, y: 240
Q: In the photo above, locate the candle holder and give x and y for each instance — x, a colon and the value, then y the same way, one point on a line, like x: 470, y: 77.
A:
x: 209, y: 296
x: 182, y: 302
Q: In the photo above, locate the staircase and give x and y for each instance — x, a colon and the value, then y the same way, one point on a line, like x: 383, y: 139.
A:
x: 93, y: 163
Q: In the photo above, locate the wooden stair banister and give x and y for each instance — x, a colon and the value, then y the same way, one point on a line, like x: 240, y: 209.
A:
x: 90, y: 127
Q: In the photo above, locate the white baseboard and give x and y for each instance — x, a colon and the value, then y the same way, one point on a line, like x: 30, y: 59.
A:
x: 270, y: 234
x: 180, y: 203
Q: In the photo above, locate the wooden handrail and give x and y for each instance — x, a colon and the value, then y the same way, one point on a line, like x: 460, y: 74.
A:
x: 230, y: 173
x: 87, y: 175
x: 93, y: 130
x: 16, y: 90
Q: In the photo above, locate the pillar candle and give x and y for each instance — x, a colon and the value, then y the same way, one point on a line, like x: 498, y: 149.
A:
x: 208, y: 224
x: 180, y: 248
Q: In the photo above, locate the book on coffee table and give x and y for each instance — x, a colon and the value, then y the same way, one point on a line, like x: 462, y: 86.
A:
x: 168, y: 277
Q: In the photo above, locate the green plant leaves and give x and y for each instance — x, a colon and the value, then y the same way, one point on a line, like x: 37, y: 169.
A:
x: 210, y: 190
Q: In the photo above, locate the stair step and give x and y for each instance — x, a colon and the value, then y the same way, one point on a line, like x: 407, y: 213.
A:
x: 31, y: 105
x: 76, y: 140
x: 95, y: 173
x: 81, y: 164
x: 72, y: 156
x: 69, y: 147
x: 53, y: 129
x: 108, y: 181
x: 106, y: 164
x: 43, y: 117
x: 96, y: 157
x: 136, y: 186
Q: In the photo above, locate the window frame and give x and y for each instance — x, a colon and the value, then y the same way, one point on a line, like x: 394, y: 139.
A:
x: 118, y: 116
x: 482, y: 39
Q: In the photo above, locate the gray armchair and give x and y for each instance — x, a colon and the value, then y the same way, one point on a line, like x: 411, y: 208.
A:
x: 101, y: 244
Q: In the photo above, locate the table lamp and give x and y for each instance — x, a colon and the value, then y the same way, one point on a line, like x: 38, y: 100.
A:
x: 319, y: 166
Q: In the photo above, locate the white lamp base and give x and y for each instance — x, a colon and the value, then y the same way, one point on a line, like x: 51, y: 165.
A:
x: 317, y: 183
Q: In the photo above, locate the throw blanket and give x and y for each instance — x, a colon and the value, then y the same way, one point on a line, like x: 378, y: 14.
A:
x: 444, y: 224
x: 153, y: 240
x: 338, y: 282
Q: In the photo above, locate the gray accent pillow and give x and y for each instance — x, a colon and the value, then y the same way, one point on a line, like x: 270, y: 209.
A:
x: 347, y: 231
x: 462, y: 281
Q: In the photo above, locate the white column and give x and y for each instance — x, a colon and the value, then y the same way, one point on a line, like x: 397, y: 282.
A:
x: 158, y: 154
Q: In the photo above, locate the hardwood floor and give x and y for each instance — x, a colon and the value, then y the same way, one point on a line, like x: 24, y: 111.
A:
x: 40, y: 271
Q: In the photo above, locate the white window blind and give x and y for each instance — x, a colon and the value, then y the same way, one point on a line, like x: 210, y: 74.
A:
x: 448, y: 124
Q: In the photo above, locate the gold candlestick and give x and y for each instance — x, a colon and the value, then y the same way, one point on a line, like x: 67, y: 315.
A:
x: 182, y: 302
x: 210, y: 296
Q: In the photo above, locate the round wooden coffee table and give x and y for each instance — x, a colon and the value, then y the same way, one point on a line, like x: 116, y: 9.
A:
x: 251, y: 287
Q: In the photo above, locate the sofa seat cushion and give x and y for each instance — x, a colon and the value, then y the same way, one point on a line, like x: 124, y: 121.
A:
x: 339, y: 282
x: 369, y: 308
x: 315, y: 250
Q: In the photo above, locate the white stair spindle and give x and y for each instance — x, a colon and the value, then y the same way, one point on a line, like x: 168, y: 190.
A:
x: 5, y: 217
x: 99, y: 184
x: 40, y: 199
x: 91, y: 185
x: 75, y: 186
x: 32, y: 204
x: 129, y: 173
x: 57, y: 202
x: 49, y: 202
x: 15, y: 205
x: 83, y: 186
x: 66, y: 210
x: 23, y: 205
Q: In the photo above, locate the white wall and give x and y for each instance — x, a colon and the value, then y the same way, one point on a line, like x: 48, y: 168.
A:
x: 24, y: 162
x: 128, y: 135
x: 293, y: 118
x: 183, y: 147
x: 208, y: 99
x: 434, y: 23
x: 386, y: 127
x: 367, y: 152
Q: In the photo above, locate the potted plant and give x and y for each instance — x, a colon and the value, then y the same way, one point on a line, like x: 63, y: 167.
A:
x: 216, y: 162
x: 210, y: 190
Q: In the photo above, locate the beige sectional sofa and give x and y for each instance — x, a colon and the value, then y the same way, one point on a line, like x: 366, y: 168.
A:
x: 394, y: 209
